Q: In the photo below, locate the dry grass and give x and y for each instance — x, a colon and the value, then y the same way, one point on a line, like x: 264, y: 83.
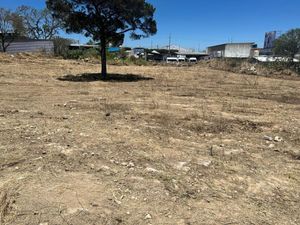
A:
x: 183, y: 144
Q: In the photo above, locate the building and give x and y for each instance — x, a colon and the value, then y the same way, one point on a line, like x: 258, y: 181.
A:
x: 191, y: 54
x: 231, y: 50
x: 82, y: 46
x: 94, y: 46
x: 18, y: 46
x: 138, y: 52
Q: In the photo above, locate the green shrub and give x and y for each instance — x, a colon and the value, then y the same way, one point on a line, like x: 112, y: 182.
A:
x: 91, y: 53
x: 136, y: 61
x: 73, y: 54
x: 82, y: 54
x: 280, y: 65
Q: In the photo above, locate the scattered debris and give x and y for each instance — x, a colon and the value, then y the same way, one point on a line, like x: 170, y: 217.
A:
x: 152, y: 170
x: 182, y: 166
x: 268, y: 138
x: 148, y: 216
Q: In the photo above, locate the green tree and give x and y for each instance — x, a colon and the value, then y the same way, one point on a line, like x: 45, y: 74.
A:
x: 11, y: 27
x: 39, y: 24
x: 288, y: 44
x: 90, y: 42
x: 105, y: 21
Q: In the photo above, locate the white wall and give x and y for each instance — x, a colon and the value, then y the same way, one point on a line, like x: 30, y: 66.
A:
x: 238, y: 51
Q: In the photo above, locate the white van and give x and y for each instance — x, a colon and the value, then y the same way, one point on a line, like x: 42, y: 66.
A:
x: 181, y: 59
x: 172, y: 59
x: 193, y: 60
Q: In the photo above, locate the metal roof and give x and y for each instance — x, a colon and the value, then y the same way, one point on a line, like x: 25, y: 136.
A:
x: 237, y: 43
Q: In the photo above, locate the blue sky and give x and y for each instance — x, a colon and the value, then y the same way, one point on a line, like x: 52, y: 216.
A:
x: 200, y: 23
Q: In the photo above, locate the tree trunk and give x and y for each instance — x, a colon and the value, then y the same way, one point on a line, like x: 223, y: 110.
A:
x: 103, y: 58
x: 3, y: 47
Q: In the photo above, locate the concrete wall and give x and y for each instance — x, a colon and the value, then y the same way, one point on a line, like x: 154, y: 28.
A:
x: 234, y: 50
x: 238, y: 51
x: 31, y: 46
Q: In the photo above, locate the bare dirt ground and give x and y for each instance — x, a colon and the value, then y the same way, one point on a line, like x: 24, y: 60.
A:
x: 154, y: 145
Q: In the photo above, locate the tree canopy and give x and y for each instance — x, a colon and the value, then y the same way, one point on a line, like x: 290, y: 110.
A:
x: 39, y: 24
x: 106, y: 21
x: 11, y: 26
x: 288, y: 44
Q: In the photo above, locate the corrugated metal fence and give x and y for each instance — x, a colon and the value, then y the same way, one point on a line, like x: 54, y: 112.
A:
x: 31, y: 46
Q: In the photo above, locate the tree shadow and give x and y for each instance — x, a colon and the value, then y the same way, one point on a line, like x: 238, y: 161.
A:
x: 93, y: 77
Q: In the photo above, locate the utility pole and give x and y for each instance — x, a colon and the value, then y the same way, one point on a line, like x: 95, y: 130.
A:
x: 170, y: 44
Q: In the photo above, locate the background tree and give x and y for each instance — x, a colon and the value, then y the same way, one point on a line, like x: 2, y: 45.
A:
x: 39, y: 24
x: 90, y: 42
x: 288, y: 44
x: 11, y: 26
x: 105, y: 20
x: 61, y: 45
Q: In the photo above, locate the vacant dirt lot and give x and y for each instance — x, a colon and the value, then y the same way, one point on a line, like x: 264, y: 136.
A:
x: 154, y: 145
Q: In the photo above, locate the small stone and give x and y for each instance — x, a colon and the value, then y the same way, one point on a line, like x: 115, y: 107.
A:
x: 118, y: 202
x: 182, y: 166
x: 107, y: 114
x: 1, y: 115
x: 65, y: 117
x: 130, y: 164
x: 278, y: 139
x: 104, y: 168
x: 94, y: 204
x: 148, y: 217
x: 271, y: 146
x: 205, y: 163
x: 152, y: 170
